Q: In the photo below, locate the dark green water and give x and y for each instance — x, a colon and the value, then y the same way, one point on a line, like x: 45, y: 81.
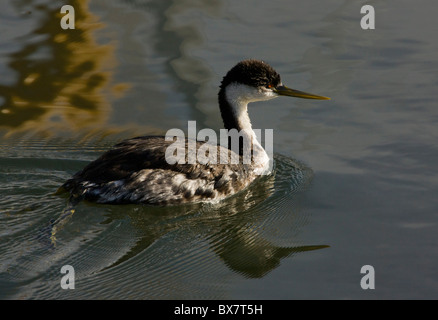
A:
x: 355, y: 181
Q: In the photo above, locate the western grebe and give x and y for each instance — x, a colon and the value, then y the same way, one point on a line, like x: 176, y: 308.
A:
x: 136, y: 170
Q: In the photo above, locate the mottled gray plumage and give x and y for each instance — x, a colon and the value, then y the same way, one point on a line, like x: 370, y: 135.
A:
x: 136, y: 171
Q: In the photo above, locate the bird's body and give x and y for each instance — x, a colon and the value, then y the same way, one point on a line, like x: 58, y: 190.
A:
x: 137, y: 170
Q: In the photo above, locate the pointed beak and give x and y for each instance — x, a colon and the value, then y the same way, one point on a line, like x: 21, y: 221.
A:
x: 285, y: 91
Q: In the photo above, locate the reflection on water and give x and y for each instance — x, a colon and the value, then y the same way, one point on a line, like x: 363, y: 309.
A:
x: 178, y: 252
x: 125, y: 251
x: 59, y: 73
x: 373, y: 148
x: 57, y: 78
x: 231, y: 228
x: 176, y: 32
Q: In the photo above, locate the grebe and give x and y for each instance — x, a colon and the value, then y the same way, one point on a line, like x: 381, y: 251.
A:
x: 136, y: 170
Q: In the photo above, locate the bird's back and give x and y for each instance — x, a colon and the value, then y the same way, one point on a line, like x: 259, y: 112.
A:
x: 137, y: 171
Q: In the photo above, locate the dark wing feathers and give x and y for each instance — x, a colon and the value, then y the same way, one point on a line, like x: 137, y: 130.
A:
x: 134, y: 155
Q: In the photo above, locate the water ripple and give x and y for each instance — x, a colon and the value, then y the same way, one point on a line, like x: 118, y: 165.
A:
x: 189, y: 251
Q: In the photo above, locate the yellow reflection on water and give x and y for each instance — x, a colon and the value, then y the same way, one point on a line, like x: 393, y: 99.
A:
x: 64, y: 88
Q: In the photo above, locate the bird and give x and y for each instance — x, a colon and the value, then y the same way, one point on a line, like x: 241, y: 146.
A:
x: 136, y: 170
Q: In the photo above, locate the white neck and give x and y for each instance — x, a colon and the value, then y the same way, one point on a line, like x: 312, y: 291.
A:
x: 238, y: 97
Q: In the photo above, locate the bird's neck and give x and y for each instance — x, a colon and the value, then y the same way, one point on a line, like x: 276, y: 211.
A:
x: 233, y: 104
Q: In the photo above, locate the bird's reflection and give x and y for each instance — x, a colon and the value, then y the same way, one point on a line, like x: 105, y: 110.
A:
x: 233, y: 228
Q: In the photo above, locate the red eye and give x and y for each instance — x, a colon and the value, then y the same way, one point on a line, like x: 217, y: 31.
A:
x: 269, y: 86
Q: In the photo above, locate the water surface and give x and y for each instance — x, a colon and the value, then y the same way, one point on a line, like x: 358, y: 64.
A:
x: 355, y: 180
